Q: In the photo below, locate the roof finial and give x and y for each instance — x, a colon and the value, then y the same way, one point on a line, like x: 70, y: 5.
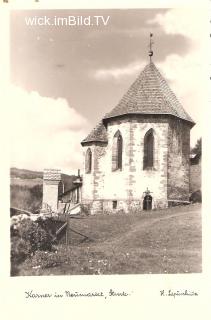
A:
x: 150, y: 46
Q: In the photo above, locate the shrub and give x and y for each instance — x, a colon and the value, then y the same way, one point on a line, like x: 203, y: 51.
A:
x: 27, y: 237
x: 196, y: 196
x: 49, y: 224
x: 85, y: 209
x: 20, y: 249
x: 44, y: 259
x: 135, y: 210
x: 120, y: 211
x: 38, y: 238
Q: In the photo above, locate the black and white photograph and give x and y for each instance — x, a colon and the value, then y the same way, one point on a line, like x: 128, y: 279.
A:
x: 104, y: 190
x: 106, y: 142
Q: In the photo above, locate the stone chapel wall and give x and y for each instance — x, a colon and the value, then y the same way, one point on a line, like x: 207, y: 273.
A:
x: 127, y: 186
x: 178, y: 160
x: 167, y: 180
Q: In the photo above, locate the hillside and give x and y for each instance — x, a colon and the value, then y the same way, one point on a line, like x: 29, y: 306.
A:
x: 25, y: 174
x: 26, y: 188
x: 165, y: 241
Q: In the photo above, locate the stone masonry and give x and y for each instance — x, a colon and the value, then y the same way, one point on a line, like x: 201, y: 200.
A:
x: 149, y: 104
x: 51, y: 179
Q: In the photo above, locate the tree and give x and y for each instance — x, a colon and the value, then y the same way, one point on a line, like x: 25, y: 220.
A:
x: 197, y: 149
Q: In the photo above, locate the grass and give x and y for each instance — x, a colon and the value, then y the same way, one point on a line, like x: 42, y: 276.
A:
x: 165, y: 241
x: 26, y: 197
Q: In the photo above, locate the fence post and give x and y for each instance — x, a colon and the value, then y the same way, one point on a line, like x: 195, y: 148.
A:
x: 67, y: 231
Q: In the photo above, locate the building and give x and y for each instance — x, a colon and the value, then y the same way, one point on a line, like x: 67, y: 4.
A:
x: 137, y: 157
x: 51, y: 181
x: 61, y: 193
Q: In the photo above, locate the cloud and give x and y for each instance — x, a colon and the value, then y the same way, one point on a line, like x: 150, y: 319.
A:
x: 184, y: 75
x: 187, y: 73
x: 120, y: 72
x: 189, y: 22
x: 45, y: 132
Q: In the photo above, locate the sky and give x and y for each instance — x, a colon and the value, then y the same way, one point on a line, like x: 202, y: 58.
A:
x: 65, y: 78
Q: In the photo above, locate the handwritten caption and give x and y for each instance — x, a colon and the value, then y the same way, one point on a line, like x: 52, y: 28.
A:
x: 178, y: 293
x: 31, y: 294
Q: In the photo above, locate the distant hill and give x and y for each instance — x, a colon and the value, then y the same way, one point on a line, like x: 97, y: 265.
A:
x: 25, y: 174
x: 26, y: 188
x: 31, y: 178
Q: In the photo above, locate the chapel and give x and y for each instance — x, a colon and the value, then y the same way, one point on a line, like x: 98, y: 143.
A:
x: 137, y: 157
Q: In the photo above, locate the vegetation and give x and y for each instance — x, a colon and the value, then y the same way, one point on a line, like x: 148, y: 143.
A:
x: 25, y: 197
x: 165, y: 241
x: 26, y: 188
x: 28, y: 237
x: 25, y: 174
x: 197, y: 149
x: 196, y: 196
x: 161, y: 241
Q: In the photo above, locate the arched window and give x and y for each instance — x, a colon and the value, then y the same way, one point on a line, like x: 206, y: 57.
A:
x: 117, y: 151
x: 88, y: 161
x: 148, y: 150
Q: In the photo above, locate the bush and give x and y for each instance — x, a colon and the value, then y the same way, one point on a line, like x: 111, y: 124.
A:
x: 114, y: 211
x: 38, y: 238
x: 196, y: 197
x: 20, y: 249
x: 27, y: 237
x: 85, y: 209
x: 43, y: 259
x: 49, y: 224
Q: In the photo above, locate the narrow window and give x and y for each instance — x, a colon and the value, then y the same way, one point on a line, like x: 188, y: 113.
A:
x: 114, y: 204
x: 148, y: 150
x: 117, y: 151
x: 88, y: 161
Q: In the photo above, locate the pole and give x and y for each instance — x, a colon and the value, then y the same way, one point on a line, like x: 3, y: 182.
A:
x: 67, y: 233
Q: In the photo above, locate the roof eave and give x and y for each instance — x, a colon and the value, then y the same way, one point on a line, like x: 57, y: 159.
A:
x: 83, y: 143
x: 106, y: 119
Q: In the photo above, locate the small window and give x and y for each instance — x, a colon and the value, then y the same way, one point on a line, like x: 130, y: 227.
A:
x: 88, y: 161
x: 114, y: 204
x: 117, y: 151
x: 148, y: 150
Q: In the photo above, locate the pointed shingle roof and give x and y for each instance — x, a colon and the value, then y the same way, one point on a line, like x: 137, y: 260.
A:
x: 149, y: 94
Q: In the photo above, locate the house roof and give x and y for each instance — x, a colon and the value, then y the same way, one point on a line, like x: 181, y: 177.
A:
x: 70, y: 185
x: 98, y: 134
x: 66, y: 183
x: 148, y: 95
